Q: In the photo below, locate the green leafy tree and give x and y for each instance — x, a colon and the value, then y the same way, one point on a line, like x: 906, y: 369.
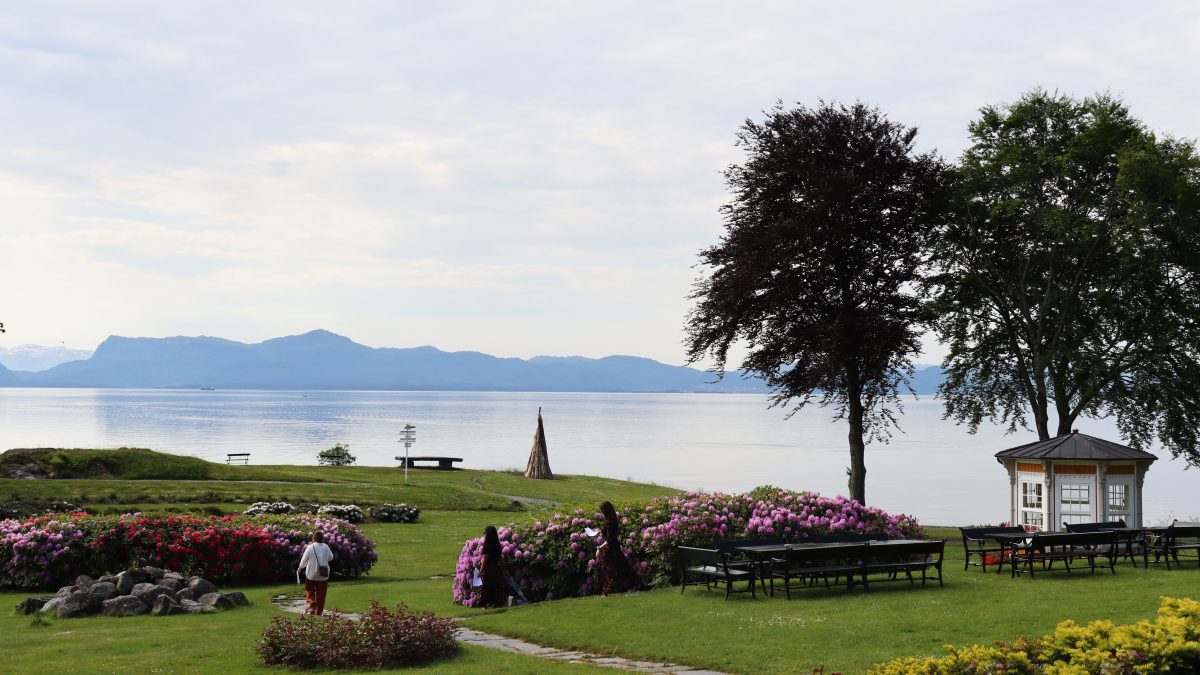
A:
x: 815, y: 273
x: 338, y: 455
x: 1066, y: 282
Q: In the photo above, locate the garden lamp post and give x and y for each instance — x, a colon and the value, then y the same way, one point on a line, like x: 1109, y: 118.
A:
x: 407, y: 437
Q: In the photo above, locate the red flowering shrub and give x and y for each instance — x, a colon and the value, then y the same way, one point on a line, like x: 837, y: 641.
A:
x: 380, y: 639
x: 52, y: 550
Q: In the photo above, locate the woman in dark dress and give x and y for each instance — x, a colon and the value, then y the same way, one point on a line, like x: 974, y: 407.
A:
x: 498, y: 585
x: 615, y: 573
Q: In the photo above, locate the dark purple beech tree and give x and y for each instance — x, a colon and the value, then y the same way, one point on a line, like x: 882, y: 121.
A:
x: 817, y: 272
x: 1067, y: 281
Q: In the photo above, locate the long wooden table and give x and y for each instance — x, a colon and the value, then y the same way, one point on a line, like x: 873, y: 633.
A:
x: 762, y: 556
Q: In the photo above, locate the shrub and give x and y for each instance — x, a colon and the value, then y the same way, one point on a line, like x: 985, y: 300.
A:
x: 347, y: 512
x: 338, y: 455
x: 555, y: 558
x: 34, y: 507
x: 396, y: 513
x: 51, y: 551
x: 381, y: 639
x: 269, y: 508
x: 1169, y: 644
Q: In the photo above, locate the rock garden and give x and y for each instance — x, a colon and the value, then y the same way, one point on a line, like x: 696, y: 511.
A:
x: 136, y: 591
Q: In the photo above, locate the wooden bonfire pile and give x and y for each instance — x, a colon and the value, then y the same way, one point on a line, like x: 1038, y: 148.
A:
x: 539, y: 461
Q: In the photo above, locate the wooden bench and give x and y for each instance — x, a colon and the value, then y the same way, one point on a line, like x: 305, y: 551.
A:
x: 1066, y: 548
x: 444, y: 463
x: 908, y: 558
x: 1168, y: 544
x: 242, y: 457
x: 807, y: 565
x: 713, y: 567
x: 975, y: 543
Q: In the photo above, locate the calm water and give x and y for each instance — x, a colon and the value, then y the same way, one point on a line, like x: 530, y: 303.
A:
x: 730, y: 442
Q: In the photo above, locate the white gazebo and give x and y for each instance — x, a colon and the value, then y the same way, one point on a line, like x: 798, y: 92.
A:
x: 1074, y: 478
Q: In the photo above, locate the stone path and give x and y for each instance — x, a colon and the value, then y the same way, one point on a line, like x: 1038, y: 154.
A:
x: 293, y: 603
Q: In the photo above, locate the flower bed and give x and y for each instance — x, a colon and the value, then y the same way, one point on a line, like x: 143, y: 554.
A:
x: 554, y: 558
x: 347, y: 512
x: 52, y: 550
x: 1167, y: 645
x: 380, y: 639
x: 269, y: 508
x: 396, y: 513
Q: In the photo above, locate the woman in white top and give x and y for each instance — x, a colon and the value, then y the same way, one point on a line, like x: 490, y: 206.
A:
x: 315, y: 565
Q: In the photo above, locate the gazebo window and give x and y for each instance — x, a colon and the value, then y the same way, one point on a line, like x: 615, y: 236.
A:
x: 1118, y: 500
x: 1075, y: 500
x: 1031, y: 504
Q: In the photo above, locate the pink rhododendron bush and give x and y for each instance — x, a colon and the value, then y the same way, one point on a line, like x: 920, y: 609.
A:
x: 555, y: 558
x: 50, y: 551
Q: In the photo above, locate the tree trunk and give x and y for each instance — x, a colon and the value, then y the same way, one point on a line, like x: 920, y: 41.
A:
x: 858, y: 466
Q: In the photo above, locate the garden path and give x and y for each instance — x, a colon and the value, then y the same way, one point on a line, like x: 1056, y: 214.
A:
x: 295, y: 603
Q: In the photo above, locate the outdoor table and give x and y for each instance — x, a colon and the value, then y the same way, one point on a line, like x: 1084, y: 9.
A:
x: 1009, y: 543
x: 762, y: 555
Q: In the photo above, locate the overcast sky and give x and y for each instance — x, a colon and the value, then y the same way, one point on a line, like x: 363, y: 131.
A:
x: 515, y: 178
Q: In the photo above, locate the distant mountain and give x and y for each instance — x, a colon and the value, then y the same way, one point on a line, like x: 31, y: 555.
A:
x: 7, y: 377
x: 37, y: 357
x: 323, y: 360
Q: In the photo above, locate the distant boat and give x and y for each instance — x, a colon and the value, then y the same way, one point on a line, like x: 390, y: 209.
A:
x: 206, y: 388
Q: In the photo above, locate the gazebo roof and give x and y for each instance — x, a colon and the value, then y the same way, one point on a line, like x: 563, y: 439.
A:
x: 1075, y: 446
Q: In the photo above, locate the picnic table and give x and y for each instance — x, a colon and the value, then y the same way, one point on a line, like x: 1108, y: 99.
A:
x: 852, y: 559
x: 444, y: 463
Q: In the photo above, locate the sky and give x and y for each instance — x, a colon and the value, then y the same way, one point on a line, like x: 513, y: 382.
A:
x: 515, y: 178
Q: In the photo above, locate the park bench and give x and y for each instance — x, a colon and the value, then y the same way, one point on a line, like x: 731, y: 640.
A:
x: 1049, y: 548
x: 975, y: 543
x: 444, y: 463
x: 713, y: 567
x: 239, y: 457
x: 908, y: 558
x: 740, y: 559
x: 1131, y: 541
x: 808, y: 564
x: 1170, y: 542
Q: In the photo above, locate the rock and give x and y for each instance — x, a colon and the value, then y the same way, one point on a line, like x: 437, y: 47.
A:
x: 31, y: 605
x: 218, y: 600
x: 124, y: 605
x: 27, y: 472
x: 83, y: 582
x: 165, y: 606
x: 109, y: 578
x: 185, y: 594
x: 173, y: 584
x: 239, y: 598
x: 148, y: 592
x: 199, y: 586
x: 169, y: 574
x: 103, y: 590
x: 125, y: 583
x: 52, y: 604
x: 155, y: 572
x: 78, y: 604
x: 65, y: 591
x: 192, y: 607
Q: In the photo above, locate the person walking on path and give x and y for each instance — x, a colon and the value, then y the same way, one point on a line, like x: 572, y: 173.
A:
x: 616, y: 574
x: 315, y: 566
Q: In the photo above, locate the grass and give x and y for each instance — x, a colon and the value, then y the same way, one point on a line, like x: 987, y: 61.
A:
x: 833, y: 630
x: 133, y: 477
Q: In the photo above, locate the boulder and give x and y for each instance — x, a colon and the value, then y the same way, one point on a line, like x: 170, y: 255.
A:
x: 218, y: 600
x: 165, y: 606
x: 109, y: 578
x: 124, y: 605
x: 103, y: 590
x: 65, y: 591
x: 174, y: 575
x: 185, y: 594
x: 126, y: 581
x: 239, y: 598
x: 155, y: 573
x: 31, y: 605
x: 83, y: 582
x: 173, y: 584
x: 78, y: 604
x: 52, y: 604
x: 148, y: 592
x: 200, y: 586
x: 192, y: 607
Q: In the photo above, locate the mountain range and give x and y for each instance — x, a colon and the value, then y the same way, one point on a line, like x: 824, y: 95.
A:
x: 37, y: 357
x: 323, y: 360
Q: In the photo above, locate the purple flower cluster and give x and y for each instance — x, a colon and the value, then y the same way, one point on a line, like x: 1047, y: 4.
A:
x: 34, y: 553
x: 555, y: 558
x: 353, y: 553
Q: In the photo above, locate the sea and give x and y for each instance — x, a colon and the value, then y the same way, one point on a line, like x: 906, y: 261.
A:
x: 931, y: 468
